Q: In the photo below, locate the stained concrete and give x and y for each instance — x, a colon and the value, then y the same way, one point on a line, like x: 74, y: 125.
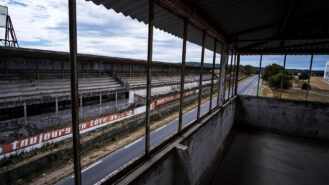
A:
x: 263, y: 158
x: 293, y: 117
x: 190, y: 159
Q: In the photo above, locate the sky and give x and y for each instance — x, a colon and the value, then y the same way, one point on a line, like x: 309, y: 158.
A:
x: 44, y: 25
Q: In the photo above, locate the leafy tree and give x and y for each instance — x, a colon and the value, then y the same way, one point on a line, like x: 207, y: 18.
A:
x: 275, y: 81
x: 248, y: 70
x: 271, y: 70
x: 273, y: 75
x: 303, y: 76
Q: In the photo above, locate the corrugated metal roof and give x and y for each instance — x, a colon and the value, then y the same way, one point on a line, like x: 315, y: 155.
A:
x: 242, y: 20
x: 163, y: 19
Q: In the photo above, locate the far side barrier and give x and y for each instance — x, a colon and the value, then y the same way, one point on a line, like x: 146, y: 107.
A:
x: 38, y: 141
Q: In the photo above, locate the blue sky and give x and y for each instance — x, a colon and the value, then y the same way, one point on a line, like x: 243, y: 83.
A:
x: 44, y: 25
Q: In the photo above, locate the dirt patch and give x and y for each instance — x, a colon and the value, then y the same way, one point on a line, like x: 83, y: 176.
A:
x: 317, y: 83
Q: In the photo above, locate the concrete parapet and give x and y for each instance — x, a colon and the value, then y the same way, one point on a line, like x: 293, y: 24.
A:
x: 294, y: 117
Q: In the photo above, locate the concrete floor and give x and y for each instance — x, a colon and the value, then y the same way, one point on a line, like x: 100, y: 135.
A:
x: 262, y: 158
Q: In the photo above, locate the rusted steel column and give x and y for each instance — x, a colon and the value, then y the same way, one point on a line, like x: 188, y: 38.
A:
x: 309, y: 77
x: 223, y: 62
x: 234, y: 73
x: 230, y: 78
x: 212, y: 74
x: 201, y: 75
x: 259, y: 71
x: 237, y: 75
x: 219, y: 77
x: 74, y: 91
x: 182, y: 79
x: 149, y: 77
x: 284, y: 67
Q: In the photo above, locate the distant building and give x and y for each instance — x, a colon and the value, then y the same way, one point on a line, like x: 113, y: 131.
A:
x: 326, y: 73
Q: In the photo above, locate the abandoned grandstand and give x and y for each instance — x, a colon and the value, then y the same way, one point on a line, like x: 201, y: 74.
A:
x: 69, y: 118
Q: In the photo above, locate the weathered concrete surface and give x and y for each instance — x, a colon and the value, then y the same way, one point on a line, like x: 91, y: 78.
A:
x: 300, y: 118
x: 190, y: 159
x: 263, y: 158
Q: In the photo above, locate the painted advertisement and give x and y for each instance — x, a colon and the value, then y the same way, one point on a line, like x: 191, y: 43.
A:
x: 40, y: 140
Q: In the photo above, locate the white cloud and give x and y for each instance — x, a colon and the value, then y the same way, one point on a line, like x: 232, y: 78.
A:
x: 44, y: 25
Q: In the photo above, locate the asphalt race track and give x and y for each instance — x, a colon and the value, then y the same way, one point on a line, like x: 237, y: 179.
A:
x: 109, y: 164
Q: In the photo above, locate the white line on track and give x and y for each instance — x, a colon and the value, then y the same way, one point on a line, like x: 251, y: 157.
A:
x: 160, y: 128
x: 91, y: 166
x: 130, y: 144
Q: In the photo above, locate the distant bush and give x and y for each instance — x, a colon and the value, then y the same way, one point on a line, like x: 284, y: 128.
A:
x: 304, y: 86
x: 303, y: 76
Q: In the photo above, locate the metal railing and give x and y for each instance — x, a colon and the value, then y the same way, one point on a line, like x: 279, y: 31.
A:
x: 148, y: 152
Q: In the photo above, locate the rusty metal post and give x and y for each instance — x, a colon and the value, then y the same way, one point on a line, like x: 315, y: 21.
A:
x: 309, y: 78
x: 212, y: 74
x: 6, y: 31
x: 218, y: 88
x: 259, y: 71
x: 237, y: 75
x: 182, y: 81
x: 74, y: 91
x: 221, y: 88
x: 201, y: 75
x: 233, y: 76
x: 230, y: 78
x: 282, y: 76
x: 149, y: 77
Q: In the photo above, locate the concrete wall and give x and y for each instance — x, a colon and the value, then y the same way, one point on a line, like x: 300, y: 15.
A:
x: 18, y: 128
x: 300, y: 118
x: 192, y: 158
x: 172, y: 88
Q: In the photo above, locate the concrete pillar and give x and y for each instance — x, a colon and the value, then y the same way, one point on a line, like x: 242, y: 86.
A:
x: 25, y: 113
x: 131, y: 97
x: 56, y: 104
x: 116, y: 100
x: 221, y: 88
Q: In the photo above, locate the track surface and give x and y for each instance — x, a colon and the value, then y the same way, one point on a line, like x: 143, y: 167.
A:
x: 109, y: 164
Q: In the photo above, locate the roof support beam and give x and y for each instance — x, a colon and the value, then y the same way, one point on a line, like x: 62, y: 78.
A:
x: 184, y: 9
x: 286, y: 18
